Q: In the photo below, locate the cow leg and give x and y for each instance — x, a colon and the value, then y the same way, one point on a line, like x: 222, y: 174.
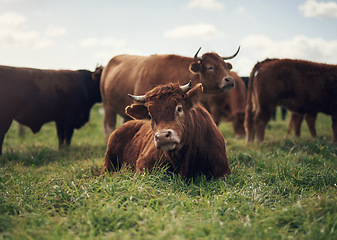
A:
x: 274, y: 114
x: 60, y: 133
x: 4, y: 126
x: 238, y: 125
x: 109, y: 122
x: 311, y: 120
x: 295, y: 123
x: 261, y: 120
x: 284, y: 113
x: 68, y: 135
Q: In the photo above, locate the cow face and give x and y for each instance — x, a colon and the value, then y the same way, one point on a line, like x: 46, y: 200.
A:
x: 168, y: 108
x: 213, y: 72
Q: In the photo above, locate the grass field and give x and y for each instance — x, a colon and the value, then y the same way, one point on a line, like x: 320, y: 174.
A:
x: 284, y: 188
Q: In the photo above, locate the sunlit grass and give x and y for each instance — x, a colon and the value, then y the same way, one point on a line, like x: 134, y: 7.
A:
x: 284, y: 188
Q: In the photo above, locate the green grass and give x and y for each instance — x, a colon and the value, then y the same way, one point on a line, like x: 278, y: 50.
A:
x: 284, y: 188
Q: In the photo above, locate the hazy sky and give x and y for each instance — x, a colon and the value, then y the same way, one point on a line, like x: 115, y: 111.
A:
x: 79, y: 34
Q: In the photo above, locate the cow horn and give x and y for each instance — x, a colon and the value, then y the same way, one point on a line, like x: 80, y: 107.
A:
x: 233, y: 56
x: 186, y: 87
x: 196, y: 55
x: 140, y: 98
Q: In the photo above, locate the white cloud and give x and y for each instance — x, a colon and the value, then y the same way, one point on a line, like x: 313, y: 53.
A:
x: 201, y: 30
x: 300, y: 46
x: 14, y: 33
x: 89, y: 42
x: 241, y: 10
x: 55, y: 31
x: 112, y: 42
x: 104, y: 42
x: 12, y: 20
x: 205, y: 4
x: 105, y: 56
x: 106, y: 48
x: 311, y: 8
x: 10, y: 1
x: 259, y: 47
x: 24, y: 39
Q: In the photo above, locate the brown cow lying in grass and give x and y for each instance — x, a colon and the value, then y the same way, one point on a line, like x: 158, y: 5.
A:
x: 171, y: 129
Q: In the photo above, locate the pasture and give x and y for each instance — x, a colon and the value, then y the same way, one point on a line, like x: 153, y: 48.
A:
x: 284, y: 188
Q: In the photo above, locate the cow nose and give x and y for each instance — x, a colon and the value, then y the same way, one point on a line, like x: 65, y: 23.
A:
x: 227, y: 83
x: 162, y: 135
x: 166, y: 139
x: 228, y: 79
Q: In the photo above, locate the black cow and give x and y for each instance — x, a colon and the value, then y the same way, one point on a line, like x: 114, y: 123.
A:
x: 33, y: 97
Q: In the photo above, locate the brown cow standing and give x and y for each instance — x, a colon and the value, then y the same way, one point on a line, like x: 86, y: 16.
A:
x: 33, y: 97
x: 229, y: 105
x: 173, y: 129
x: 300, y: 86
x: 126, y: 74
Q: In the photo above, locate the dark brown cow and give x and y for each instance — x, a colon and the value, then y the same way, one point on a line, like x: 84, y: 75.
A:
x: 173, y: 129
x: 229, y: 105
x: 33, y: 97
x: 138, y: 74
x: 300, y: 86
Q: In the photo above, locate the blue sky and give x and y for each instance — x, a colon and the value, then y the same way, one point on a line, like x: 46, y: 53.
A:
x: 79, y: 34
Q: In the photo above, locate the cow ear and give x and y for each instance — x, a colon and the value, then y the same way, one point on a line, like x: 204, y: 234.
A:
x: 97, y: 74
x: 195, y: 67
x: 194, y: 95
x: 137, y: 111
x: 228, y: 66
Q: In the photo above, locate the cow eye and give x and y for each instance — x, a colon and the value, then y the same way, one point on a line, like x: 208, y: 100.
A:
x: 179, y: 109
x: 210, y: 67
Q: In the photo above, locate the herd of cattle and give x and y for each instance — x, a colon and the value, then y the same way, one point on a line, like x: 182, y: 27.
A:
x: 168, y: 95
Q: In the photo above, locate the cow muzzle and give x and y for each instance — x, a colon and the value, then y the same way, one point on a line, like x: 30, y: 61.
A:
x: 227, y: 83
x: 166, y: 139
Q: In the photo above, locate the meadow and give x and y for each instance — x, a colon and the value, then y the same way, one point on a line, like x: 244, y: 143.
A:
x: 284, y: 188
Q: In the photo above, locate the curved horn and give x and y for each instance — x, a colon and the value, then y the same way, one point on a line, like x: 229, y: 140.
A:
x: 196, y: 54
x: 140, y: 98
x: 233, y: 56
x: 186, y: 87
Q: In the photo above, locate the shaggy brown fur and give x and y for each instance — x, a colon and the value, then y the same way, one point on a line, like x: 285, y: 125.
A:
x: 201, y: 148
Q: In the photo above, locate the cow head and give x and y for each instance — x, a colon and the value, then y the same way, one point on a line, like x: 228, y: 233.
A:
x: 168, y: 107
x: 213, y: 71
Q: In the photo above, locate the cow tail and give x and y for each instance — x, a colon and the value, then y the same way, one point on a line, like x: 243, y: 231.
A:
x: 249, y: 116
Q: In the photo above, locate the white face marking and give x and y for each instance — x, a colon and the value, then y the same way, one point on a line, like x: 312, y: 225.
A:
x: 166, y: 139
